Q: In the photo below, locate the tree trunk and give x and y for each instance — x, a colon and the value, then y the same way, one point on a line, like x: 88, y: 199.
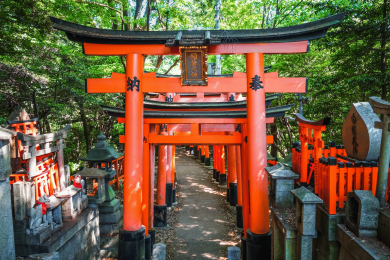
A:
x: 274, y: 133
x: 48, y: 129
x: 36, y: 110
x: 85, y: 126
x: 383, y: 52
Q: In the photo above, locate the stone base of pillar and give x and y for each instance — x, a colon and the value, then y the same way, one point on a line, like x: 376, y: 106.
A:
x: 243, y: 246
x: 174, y: 202
x: 207, y: 162
x: 160, y: 216
x: 195, y: 151
x: 239, y: 216
x: 222, y: 179
x: 202, y: 158
x: 233, y: 193
x: 168, y: 194
x: 217, y: 173
x: 131, y: 244
x: 227, y: 195
x: 148, y: 247
x: 152, y: 234
x: 258, y: 245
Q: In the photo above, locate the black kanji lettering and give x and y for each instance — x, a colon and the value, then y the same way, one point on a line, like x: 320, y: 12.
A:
x: 256, y: 83
x: 133, y: 83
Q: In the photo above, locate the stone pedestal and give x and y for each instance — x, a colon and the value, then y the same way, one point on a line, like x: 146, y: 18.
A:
x: 111, y: 211
x: 284, y: 237
x: 326, y: 244
x: 7, y: 244
x: 305, y: 220
x: 282, y: 182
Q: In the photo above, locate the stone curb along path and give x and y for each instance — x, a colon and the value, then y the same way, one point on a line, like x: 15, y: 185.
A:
x: 201, y: 231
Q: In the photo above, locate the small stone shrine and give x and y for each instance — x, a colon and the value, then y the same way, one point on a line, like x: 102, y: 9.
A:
x: 47, y: 214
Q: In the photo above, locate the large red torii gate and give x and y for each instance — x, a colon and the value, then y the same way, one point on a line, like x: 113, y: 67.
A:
x: 252, y: 43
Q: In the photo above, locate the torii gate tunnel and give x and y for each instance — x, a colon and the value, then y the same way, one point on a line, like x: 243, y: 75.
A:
x: 193, y: 48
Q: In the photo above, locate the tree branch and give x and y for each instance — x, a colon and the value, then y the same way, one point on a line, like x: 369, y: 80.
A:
x: 109, y: 7
x: 173, y: 65
x: 291, y: 11
x: 280, y: 150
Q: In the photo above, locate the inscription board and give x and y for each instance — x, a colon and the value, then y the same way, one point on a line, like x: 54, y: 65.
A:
x: 193, y: 66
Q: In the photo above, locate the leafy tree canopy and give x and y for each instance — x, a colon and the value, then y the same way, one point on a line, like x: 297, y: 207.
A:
x: 42, y: 72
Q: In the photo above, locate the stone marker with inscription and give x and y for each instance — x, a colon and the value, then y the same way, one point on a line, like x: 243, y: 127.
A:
x: 361, y: 139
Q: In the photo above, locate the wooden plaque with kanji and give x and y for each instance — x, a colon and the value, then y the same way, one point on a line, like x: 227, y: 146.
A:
x: 193, y: 66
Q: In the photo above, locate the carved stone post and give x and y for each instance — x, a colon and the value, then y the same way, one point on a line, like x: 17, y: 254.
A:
x: 382, y: 107
x: 60, y: 159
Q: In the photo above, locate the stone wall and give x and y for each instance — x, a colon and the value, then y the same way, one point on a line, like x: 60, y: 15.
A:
x: 7, y: 244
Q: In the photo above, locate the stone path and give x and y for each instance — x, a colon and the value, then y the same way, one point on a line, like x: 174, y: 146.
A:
x: 201, y: 228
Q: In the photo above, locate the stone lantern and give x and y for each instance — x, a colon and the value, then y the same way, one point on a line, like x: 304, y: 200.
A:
x: 110, y: 210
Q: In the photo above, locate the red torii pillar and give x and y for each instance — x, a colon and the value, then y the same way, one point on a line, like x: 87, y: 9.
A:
x: 207, y: 156
x: 173, y: 173
x: 169, y: 180
x: 152, y: 150
x: 222, y: 173
x: 245, y: 188
x: 232, y: 171
x: 132, y: 199
x: 203, y: 153
x: 160, y: 216
x: 258, y: 235
x: 239, y: 185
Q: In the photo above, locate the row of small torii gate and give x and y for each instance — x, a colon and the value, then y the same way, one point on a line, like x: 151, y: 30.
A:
x: 219, y: 107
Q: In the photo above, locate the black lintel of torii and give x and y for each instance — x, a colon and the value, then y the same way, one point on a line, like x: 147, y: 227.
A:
x: 152, y: 104
x: 302, y: 32
x: 269, y: 112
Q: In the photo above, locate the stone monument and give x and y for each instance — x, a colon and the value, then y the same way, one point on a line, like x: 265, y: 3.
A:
x: 361, y: 139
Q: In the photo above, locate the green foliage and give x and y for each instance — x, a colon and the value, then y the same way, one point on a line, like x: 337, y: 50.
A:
x: 43, y: 72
